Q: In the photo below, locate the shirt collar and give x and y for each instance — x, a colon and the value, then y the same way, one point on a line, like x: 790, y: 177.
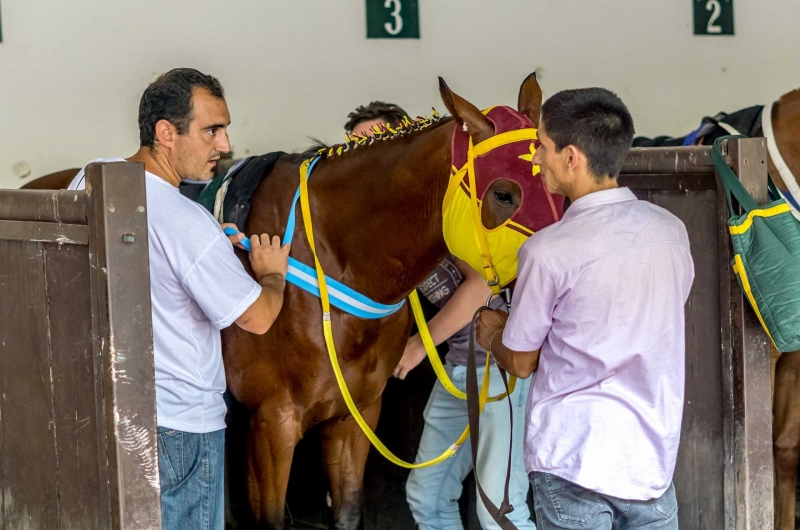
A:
x: 599, y: 198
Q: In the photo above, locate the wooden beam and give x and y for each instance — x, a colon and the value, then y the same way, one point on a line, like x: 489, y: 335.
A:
x: 123, y: 334
x: 46, y: 206
x: 746, y: 352
x: 668, y: 160
x: 677, y: 182
x: 68, y: 234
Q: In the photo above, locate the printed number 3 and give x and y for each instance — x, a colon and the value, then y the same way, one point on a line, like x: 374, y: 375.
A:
x: 397, y: 27
x: 713, y: 27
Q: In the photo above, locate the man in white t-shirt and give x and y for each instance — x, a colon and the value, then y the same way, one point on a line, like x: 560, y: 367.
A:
x: 598, y: 312
x: 198, y: 286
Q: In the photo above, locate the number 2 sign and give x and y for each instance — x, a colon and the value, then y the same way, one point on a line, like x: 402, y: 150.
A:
x: 713, y: 17
x: 392, y: 19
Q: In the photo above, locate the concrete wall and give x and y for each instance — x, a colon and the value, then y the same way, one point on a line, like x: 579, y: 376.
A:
x: 72, y: 71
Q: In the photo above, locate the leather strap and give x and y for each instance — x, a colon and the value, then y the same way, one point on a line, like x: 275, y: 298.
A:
x: 473, y: 411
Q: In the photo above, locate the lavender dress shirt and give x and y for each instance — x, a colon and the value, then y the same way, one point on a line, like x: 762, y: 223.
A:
x: 602, y: 293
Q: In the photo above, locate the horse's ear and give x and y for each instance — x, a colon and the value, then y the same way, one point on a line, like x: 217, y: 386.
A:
x: 529, y: 102
x: 466, y: 114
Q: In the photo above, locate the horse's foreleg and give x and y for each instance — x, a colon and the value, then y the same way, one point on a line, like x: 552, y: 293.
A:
x: 345, y: 450
x: 273, y: 435
x: 786, y: 437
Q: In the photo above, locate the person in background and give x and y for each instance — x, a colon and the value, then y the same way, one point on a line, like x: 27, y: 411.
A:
x: 361, y: 120
x: 457, y: 291
x: 598, y: 313
x: 197, y: 287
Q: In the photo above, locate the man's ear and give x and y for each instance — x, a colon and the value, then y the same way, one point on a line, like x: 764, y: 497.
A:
x: 165, y: 133
x: 575, y: 158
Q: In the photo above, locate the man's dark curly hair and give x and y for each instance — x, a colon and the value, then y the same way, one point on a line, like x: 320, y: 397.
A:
x: 377, y: 110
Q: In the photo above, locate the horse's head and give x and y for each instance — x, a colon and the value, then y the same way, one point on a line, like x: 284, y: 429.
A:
x: 495, y: 192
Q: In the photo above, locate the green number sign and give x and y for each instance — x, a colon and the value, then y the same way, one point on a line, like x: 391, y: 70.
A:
x: 392, y: 19
x: 713, y: 17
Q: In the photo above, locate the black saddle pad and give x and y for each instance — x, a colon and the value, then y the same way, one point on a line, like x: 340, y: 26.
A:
x: 244, y: 182
x: 747, y: 121
x: 244, y: 178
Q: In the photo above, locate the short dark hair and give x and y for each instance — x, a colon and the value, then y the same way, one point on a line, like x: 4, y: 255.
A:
x: 170, y: 98
x: 595, y: 121
x: 377, y: 110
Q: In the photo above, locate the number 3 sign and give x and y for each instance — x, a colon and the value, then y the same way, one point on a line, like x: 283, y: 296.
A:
x: 392, y: 19
x: 713, y: 17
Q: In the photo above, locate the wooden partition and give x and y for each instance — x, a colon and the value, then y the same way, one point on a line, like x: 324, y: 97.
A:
x: 77, y: 392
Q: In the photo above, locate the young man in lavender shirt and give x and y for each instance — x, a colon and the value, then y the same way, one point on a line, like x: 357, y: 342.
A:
x: 598, y: 313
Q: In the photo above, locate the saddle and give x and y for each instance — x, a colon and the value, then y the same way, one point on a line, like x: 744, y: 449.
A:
x: 746, y: 121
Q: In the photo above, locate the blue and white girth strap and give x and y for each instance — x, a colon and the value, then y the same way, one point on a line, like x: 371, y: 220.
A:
x: 341, y: 296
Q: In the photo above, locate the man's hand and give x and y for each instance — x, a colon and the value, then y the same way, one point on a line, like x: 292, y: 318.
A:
x: 270, y: 261
x: 412, y: 356
x: 236, y: 238
x: 490, y: 321
x: 268, y: 257
x: 519, y: 363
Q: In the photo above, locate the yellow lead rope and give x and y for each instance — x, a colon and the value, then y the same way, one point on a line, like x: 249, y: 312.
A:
x: 436, y: 362
x: 328, y: 332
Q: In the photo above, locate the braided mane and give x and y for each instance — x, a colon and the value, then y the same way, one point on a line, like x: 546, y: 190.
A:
x: 381, y: 133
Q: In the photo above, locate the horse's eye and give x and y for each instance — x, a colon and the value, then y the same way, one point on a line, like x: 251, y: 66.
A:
x: 503, y: 196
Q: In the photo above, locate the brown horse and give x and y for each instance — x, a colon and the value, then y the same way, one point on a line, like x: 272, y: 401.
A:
x: 378, y: 227
x: 786, y: 387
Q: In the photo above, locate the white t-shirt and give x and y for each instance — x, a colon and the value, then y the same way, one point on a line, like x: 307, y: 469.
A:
x: 197, y: 287
x: 602, y: 292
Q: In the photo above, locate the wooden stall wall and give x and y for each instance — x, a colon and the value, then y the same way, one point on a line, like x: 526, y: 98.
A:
x: 77, y: 390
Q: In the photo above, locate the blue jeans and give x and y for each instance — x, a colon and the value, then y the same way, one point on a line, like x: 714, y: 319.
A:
x: 433, y: 492
x: 192, y: 467
x: 560, y: 504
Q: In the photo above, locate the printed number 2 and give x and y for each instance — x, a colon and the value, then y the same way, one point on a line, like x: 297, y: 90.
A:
x: 397, y: 27
x: 713, y: 27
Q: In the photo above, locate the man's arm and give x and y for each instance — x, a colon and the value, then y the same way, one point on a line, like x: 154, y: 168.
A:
x: 270, y: 262
x: 456, y: 313
x: 490, y: 335
x: 528, y: 325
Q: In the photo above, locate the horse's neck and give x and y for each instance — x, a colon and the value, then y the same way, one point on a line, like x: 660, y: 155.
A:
x: 378, y: 213
x: 786, y: 125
